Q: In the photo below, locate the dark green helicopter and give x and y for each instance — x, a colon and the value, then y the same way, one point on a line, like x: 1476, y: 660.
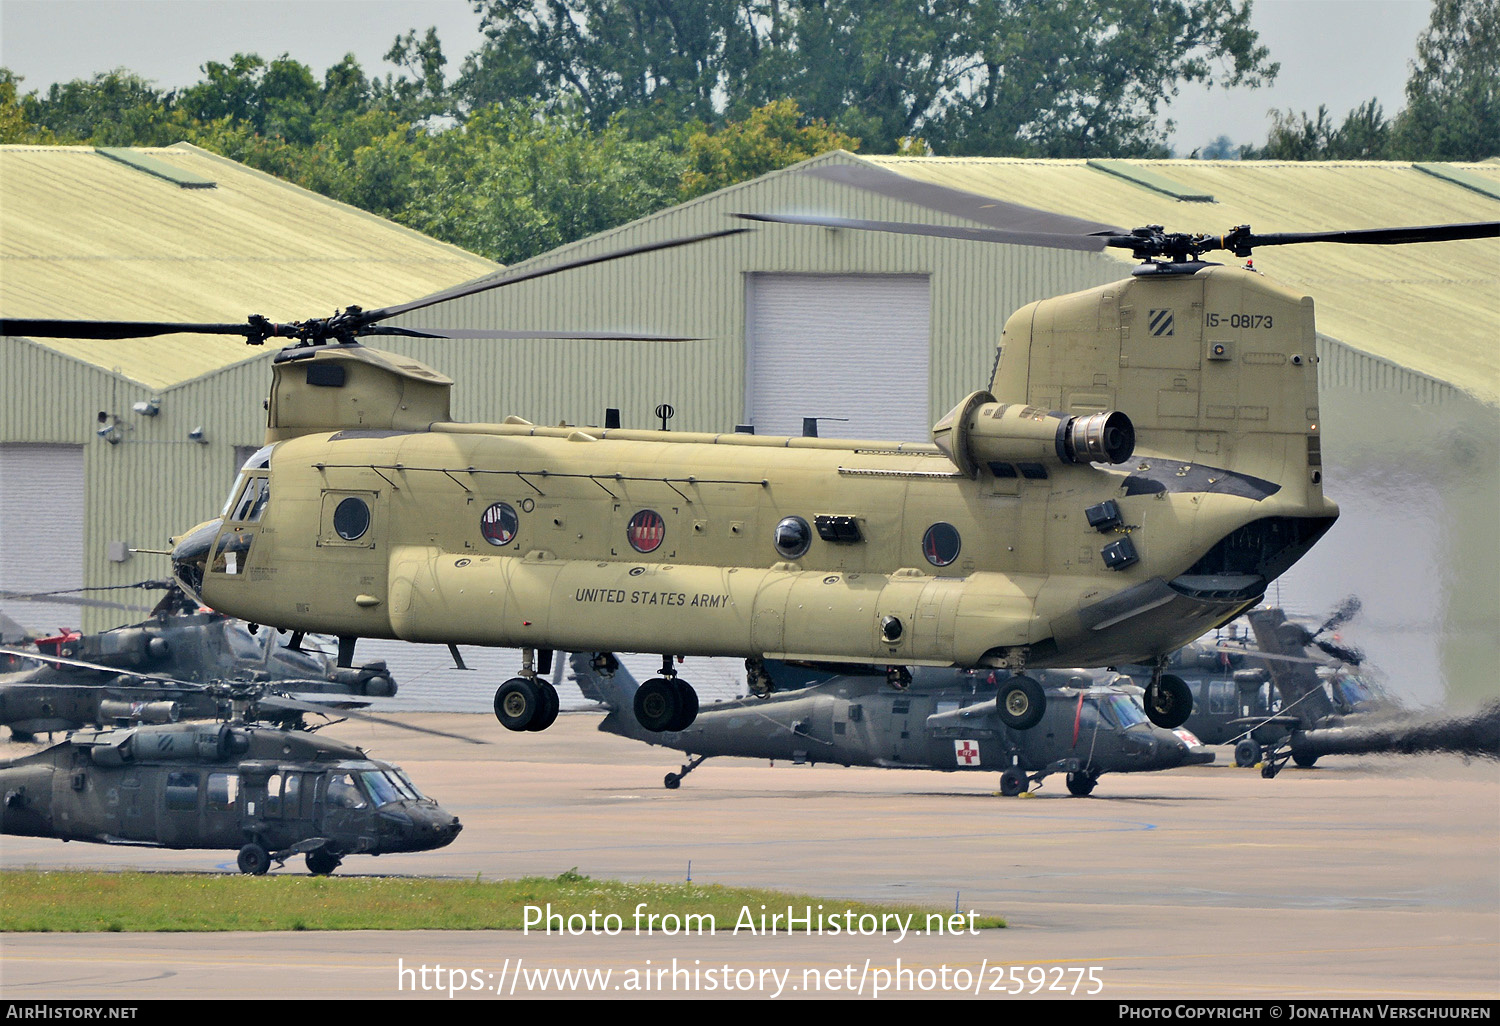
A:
x: 145, y: 672
x: 266, y: 791
x: 943, y: 720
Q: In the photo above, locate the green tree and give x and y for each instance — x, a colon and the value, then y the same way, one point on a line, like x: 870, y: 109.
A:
x: 1364, y: 134
x: 1453, y: 96
x: 514, y: 181
x: 772, y: 137
x: 1054, y: 77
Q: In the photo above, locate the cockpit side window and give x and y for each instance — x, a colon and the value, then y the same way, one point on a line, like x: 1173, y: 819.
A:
x: 252, y: 501
x: 344, y: 793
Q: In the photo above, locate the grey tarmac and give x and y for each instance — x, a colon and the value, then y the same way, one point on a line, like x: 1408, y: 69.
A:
x: 1364, y: 878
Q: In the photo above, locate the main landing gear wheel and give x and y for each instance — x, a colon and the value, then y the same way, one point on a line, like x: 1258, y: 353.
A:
x: 322, y: 862
x: 1304, y: 760
x: 1169, y: 701
x: 666, y: 704
x: 1012, y: 782
x: 254, y: 860
x: 1022, y: 702
x: 522, y: 704
x: 1081, y: 785
x: 1246, y: 753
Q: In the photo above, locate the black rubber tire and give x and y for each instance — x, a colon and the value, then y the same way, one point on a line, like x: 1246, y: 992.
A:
x: 1081, y: 785
x: 657, y: 704
x: 1304, y: 760
x: 517, y: 703
x: 671, y: 781
x: 253, y: 860
x: 547, y: 705
x: 1247, y: 753
x: 1021, y: 703
x: 1012, y: 782
x: 322, y: 862
x: 1170, y: 702
x: 687, y: 708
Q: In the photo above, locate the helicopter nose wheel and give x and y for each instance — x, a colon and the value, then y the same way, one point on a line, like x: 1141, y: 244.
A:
x: 522, y: 704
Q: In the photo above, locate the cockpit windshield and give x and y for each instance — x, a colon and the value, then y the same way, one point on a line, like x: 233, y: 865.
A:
x: 259, y: 460
x: 382, y: 791
x: 1122, y: 710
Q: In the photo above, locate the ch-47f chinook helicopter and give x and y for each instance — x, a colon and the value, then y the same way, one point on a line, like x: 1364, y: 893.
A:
x: 1145, y: 461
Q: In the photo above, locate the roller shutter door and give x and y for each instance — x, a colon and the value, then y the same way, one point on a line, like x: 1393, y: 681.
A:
x: 853, y: 346
x: 41, y: 529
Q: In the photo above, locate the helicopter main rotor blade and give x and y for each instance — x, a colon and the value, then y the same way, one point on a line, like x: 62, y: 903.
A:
x: 1243, y: 238
x: 1049, y: 240
x: 473, y: 288
x: 44, y: 328
x: 481, y: 333
x: 283, y: 702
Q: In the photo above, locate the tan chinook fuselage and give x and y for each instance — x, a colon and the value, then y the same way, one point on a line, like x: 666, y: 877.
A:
x: 1018, y: 538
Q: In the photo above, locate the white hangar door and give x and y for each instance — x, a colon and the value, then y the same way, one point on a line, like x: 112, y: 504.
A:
x: 41, y: 529
x: 854, y: 346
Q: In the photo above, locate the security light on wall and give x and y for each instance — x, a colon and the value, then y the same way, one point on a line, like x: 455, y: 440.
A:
x: 147, y: 407
x: 109, y: 428
x: 197, y: 435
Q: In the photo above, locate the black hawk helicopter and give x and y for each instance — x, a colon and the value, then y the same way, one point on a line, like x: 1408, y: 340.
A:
x: 180, y: 643
x: 268, y: 791
x: 1145, y: 461
x: 945, y: 720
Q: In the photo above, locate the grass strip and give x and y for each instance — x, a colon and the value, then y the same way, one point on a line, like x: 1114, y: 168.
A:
x: 82, y: 902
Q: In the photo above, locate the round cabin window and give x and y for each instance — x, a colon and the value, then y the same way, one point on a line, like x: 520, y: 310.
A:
x: 351, y: 519
x: 793, y: 537
x: 941, y: 544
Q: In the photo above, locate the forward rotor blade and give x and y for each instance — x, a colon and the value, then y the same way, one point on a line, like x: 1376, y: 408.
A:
x: 282, y: 702
x: 473, y: 288
x: 482, y: 333
x: 1049, y: 240
x: 37, y: 328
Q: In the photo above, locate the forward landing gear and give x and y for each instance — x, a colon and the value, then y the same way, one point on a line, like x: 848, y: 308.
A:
x: 1169, y: 701
x: 672, y: 781
x: 666, y: 703
x: 527, y: 702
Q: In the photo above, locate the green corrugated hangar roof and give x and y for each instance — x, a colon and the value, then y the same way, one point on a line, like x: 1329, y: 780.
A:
x: 1433, y: 308
x: 180, y: 234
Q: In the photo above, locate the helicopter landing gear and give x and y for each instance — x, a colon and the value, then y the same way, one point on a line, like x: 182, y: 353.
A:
x: 1247, y: 753
x: 527, y: 702
x: 666, y: 703
x: 1021, y: 703
x: 1081, y: 784
x: 254, y: 860
x: 672, y: 781
x: 1168, y: 702
x: 322, y: 862
x: 1012, y: 782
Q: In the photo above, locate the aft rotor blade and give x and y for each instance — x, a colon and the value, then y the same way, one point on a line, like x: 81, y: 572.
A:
x: 1050, y: 240
x: 473, y: 288
x: 1257, y: 654
x: 282, y: 702
x: 1373, y: 236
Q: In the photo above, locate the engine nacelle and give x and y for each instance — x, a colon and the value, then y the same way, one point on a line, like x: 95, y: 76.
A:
x: 980, y: 430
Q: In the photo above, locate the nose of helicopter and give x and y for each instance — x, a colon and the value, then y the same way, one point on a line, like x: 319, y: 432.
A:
x: 190, y: 554
x: 414, y: 826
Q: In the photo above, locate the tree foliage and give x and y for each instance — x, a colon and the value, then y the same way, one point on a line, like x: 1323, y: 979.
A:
x: 1048, y: 77
x: 1452, y: 101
